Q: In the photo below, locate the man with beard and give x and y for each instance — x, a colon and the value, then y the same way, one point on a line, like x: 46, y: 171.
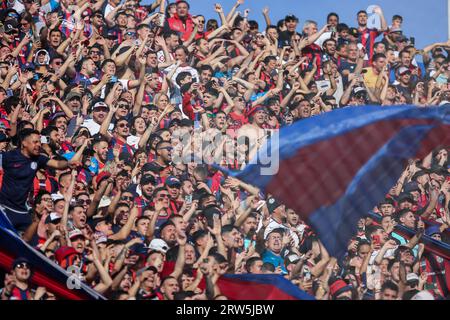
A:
x: 254, y: 131
x: 164, y: 157
x: 86, y: 76
x: 20, y: 168
x: 145, y: 190
x: 168, y: 233
x: 53, y: 145
x: 100, y: 147
x: 173, y: 186
x: 99, y: 113
x: 248, y: 228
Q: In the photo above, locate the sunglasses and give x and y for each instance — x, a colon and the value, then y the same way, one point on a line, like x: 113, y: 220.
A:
x: 87, y: 201
x: 128, y: 198
x: 123, y: 105
x: 166, y: 148
x: 123, y: 125
x: 23, y: 265
x: 101, y: 109
x: 95, y: 52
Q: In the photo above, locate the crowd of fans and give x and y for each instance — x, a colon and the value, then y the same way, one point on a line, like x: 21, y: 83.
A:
x: 97, y: 98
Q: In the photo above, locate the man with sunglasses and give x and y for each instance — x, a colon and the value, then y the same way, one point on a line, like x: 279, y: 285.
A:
x: 17, y: 283
x: 164, y: 157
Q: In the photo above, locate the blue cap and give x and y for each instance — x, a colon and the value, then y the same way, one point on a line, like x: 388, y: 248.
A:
x: 432, y: 230
x: 173, y: 182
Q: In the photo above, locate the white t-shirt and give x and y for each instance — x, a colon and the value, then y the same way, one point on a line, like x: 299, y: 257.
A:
x: 133, y: 141
x: 323, y: 37
x: 93, y: 126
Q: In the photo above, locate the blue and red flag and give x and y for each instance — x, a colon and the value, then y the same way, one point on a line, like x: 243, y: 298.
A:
x: 335, y: 167
x: 45, y: 272
x: 260, y: 287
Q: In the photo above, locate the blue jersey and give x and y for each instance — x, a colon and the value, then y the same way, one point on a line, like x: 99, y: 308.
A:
x: 19, y: 172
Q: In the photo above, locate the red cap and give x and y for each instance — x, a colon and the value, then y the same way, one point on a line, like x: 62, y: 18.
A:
x: 63, y: 253
x: 338, y: 287
x: 255, y: 109
x: 102, y: 175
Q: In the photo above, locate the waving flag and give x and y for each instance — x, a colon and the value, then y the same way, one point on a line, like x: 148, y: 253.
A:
x: 335, y: 167
x: 45, y: 272
x: 260, y: 287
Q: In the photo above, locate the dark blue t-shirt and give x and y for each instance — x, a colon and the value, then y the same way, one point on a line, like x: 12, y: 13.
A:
x: 19, y: 172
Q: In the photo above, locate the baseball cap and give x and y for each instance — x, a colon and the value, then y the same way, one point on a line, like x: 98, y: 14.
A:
x: 146, y: 179
x: 357, y: 90
x: 100, y: 104
x: 272, y: 204
x: 290, y: 17
x: 354, y: 32
x: 93, y: 223
x: 255, y: 109
x: 105, y: 201
x: 291, y: 259
x: 109, y: 34
x: 412, y: 277
x: 401, y: 38
x: 63, y: 253
x: 338, y: 287
x: 432, y: 230
x: 165, y: 225
x: 100, y: 237
x: 423, y: 295
x: 18, y: 261
x: 76, y: 233
x: 403, y: 70
x: 53, y: 218
x: 158, y: 245
x: 72, y: 94
x: 396, y: 29
x: 4, y: 137
x: 10, y: 26
x: 411, y: 186
x: 102, y: 175
x: 151, y: 166
x: 173, y: 182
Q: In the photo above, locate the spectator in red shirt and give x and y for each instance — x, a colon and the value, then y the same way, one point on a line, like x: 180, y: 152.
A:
x: 182, y: 20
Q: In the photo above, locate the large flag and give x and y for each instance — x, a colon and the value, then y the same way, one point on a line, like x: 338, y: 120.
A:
x: 45, y: 272
x: 260, y: 287
x: 335, y: 167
